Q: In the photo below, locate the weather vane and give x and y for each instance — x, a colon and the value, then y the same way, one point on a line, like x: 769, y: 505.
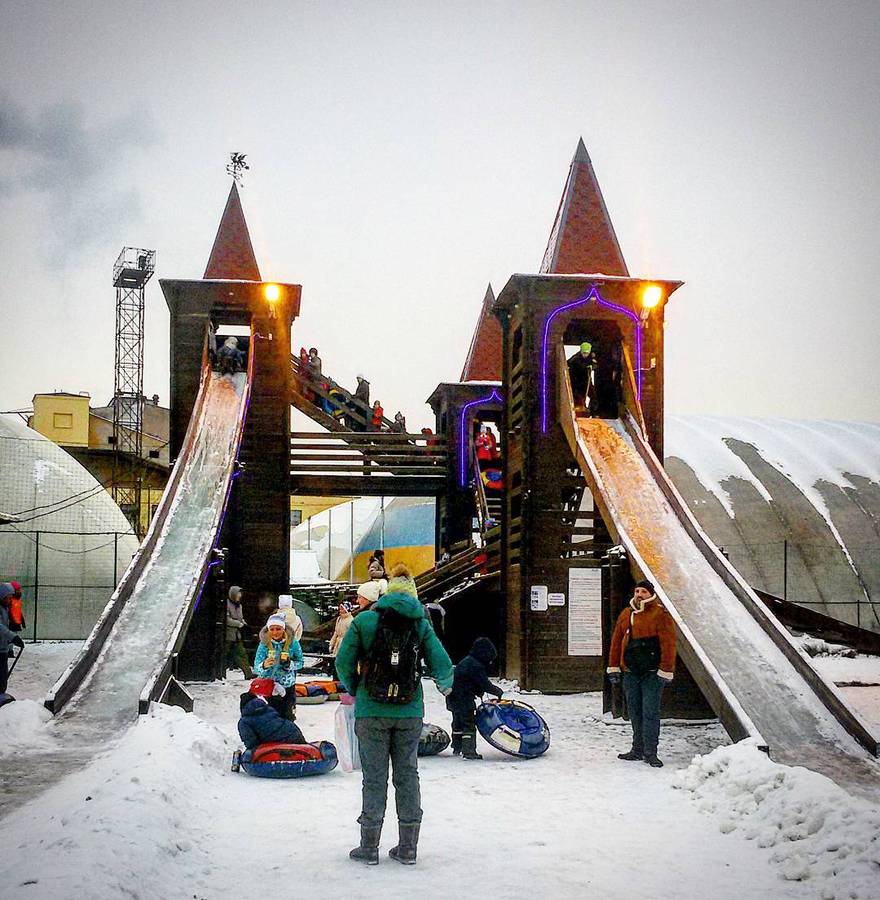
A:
x: 237, y: 166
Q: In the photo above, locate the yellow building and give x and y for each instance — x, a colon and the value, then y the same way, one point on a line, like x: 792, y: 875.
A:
x: 87, y: 434
x: 62, y: 417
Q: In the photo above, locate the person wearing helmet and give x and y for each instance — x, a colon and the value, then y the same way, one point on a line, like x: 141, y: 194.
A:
x: 582, y: 373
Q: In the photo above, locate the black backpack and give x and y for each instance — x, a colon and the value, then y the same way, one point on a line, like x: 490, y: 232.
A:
x: 392, y: 674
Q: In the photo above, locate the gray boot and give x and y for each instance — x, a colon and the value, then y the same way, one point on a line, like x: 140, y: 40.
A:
x: 368, y: 852
x: 408, y: 841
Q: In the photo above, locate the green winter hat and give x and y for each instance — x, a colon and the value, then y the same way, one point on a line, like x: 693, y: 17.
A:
x: 586, y: 347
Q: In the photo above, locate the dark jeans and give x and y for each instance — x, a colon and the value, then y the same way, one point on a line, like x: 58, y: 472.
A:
x: 463, y: 719
x: 643, y: 703
x: 4, y: 672
x: 396, y: 740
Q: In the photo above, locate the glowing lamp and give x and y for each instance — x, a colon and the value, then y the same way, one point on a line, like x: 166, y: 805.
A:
x: 651, y: 296
x: 271, y: 292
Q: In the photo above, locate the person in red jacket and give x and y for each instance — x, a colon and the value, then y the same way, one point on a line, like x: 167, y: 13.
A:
x: 643, y: 651
x: 16, y: 611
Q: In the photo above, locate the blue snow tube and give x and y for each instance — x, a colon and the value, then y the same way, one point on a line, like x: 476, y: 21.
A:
x: 289, y: 760
x: 513, y: 727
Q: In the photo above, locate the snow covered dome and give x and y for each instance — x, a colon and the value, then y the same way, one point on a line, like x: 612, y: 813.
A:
x: 62, y: 515
x: 796, y: 505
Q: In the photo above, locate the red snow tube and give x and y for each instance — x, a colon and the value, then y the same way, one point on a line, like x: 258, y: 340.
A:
x: 276, y: 752
x: 286, y: 760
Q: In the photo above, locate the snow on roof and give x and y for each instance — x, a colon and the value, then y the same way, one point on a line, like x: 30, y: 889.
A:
x: 806, y: 453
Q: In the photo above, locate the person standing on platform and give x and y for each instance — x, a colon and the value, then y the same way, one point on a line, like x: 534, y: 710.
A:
x: 643, y: 651
x: 582, y: 373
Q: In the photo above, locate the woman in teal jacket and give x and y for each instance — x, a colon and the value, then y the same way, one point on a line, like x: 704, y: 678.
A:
x: 280, y: 657
x: 390, y: 730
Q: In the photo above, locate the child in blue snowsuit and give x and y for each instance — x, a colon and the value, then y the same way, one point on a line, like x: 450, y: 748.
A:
x: 471, y: 680
x: 279, y: 657
x: 260, y: 723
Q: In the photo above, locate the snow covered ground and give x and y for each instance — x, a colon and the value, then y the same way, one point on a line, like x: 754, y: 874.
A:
x: 161, y: 816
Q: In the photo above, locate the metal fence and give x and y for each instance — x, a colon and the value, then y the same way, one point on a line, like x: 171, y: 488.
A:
x: 843, y: 584
x: 66, y: 577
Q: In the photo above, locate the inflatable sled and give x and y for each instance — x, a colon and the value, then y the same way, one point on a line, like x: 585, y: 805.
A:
x: 513, y: 727
x: 286, y: 760
x: 319, y: 691
x: 434, y: 740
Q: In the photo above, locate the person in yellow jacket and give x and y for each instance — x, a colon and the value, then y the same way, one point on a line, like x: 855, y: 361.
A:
x: 643, y: 654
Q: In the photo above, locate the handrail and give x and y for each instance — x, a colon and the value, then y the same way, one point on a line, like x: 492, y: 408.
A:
x: 75, y: 674
x: 729, y: 710
x: 480, y: 494
x: 364, y: 418
x: 630, y: 389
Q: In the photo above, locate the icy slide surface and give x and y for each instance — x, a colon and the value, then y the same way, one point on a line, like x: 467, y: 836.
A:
x: 797, y: 726
x: 107, y: 701
x: 139, y: 639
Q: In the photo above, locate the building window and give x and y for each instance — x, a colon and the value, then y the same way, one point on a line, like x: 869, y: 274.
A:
x: 62, y: 420
x: 296, y: 517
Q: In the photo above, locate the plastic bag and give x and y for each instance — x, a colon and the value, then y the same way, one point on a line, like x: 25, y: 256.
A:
x: 346, y: 739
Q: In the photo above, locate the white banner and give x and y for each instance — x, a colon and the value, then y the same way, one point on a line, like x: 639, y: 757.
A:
x: 585, y: 612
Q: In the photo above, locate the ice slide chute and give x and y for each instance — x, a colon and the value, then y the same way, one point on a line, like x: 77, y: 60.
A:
x: 755, y: 677
x: 128, y: 658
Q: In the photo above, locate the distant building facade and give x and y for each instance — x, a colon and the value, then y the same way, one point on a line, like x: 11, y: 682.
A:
x: 86, y: 433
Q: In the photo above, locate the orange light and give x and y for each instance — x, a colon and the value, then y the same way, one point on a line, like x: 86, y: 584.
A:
x: 271, y: 292
x: 651, y: 296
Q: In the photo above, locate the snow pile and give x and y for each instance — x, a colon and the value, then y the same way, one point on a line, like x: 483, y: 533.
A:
x: 814, y: 646
x: 23, y: 725
x: 817, y: 832
x: 128, y: 824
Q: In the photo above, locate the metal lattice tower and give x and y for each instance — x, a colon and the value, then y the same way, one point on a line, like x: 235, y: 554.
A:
x: 132, y: 270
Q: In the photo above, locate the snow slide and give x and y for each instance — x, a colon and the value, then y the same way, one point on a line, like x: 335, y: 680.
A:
x: 758, y: 681
x: 127, y: 660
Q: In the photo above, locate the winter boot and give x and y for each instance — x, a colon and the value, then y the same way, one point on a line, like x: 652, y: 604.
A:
x: 653, y: 761
x: 631, y: 755
x: 456, y: 743
x: 407, y: 842
x: 469, y: 746
x: 368, y: 852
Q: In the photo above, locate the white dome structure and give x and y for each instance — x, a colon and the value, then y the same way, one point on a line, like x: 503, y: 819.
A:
x: 61, y: 535
x: 795, y: 504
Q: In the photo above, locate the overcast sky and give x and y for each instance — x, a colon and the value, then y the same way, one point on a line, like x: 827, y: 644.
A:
x: 406, y: 154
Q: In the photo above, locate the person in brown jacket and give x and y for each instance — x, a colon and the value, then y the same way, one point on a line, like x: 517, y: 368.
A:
x: 643, y: 649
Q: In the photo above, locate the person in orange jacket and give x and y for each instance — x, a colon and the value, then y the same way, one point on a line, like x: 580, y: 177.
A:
x: 643, y: 652
x: 16, y: 612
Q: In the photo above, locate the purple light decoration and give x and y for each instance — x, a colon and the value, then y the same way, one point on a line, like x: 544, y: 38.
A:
x: 462, y: 433
x: 593, y: 294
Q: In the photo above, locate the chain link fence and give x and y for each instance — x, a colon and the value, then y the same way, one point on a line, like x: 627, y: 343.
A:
x: 66, y: 578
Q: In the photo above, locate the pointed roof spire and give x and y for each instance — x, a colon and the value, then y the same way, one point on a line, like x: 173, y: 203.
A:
x: 232, y: 255
x: 483, y: 361
x: 583, y: 238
